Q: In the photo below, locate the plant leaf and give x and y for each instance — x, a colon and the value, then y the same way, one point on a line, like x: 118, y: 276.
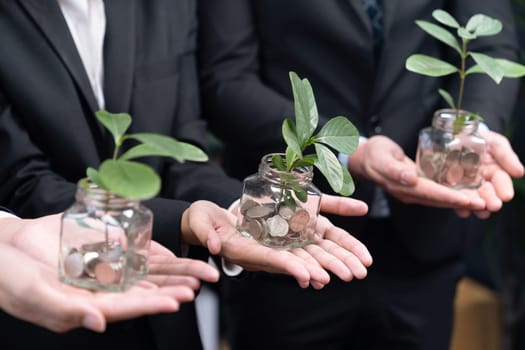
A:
x: 465, y: 34
x: 92, y: 174
x: 474, y: 69
x: 290, y: 156
x: 489, y: 65
x: 329, y: 166
x: 482, y: 25
x: 165, y: 146
x: 278, y: 162
x: 339, y: 133
x: 446, y: 96
x: 511, y: 69
x: 300, y: 192
x: 445, y: 18
x: 440, y: 33
x: 430, y: 66
x: 117, y: 123
x: 129, y: 179
x: 348, y: 183
x: 306, y: 115
x: 290, y: 137
x: 289, y: 200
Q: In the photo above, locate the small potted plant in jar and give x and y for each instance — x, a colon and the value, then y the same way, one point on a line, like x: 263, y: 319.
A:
x: 105, y: 235
x: 450, y: 152
x: 279, y: 205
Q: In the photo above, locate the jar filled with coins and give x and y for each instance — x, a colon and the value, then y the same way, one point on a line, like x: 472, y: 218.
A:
x: 278, y: 208
x: 104, y: 240
x: 450, y: 152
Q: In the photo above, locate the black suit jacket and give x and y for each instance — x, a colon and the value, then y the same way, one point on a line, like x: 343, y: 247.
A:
x: 49, y: 135
x: 248, y: 47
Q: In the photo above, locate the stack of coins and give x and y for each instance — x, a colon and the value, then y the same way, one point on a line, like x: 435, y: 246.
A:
x: 454, y: 168
x: 273, y: 224
x: 100, y: 261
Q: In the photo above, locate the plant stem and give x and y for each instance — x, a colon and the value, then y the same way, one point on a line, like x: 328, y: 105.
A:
x: 462, y: 74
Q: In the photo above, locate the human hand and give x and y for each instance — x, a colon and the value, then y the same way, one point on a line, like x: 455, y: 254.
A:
x: 30, y: 289
x: 383, y: 161
x: 335, y: 250
x: 499, y: 165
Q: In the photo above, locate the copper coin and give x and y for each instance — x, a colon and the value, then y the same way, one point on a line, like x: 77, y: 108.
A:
x: 426, y: 165
x: 454, y: 174
x: 277, y: 226
x: 452, y: 157
x: 470, y: 161
x: 107, y: 272
x: 299, y: 220
x: 256, y: 228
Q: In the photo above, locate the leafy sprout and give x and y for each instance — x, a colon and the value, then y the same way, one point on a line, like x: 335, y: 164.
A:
x: 451, y: 33
x: 338, y: 133
x: 126, y: 177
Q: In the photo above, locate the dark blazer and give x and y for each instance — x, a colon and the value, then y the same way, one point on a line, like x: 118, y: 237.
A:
x: 248, y: 47
x: 48, y: 133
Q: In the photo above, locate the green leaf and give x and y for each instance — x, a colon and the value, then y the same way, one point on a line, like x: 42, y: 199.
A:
x: 348, y: 183
x: 308, y: 160
x: 482, y: 25
x: 290, y: 157
x: 92, y: 174
x: 445, y: 18
x: 306, y: 115
x: 430, y: 66
x: 440, y: 33
x: 339, y: 133
x: 329, y: 166
x: 129, y: 179
x: 165, y: 146
x: 300, y: 192
x: 474, y: 69
x: 511, y: 69
x: 446, y: 96
x: 465, y: 34
x: 289, y: 200
x: 290, y: 137
x: 489, y: 65
x: 117, y: 124
x: 278, y: 162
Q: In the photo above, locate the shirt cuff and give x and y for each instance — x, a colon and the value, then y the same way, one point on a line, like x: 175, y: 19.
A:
x: 231, y: 269
x: 343, y: 157
x: 4, y: 214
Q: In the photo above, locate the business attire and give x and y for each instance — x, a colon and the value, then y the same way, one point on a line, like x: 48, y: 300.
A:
x: 49, y: 134
x: 246, y: 50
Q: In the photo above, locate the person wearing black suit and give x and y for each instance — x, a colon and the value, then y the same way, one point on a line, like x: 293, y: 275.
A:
x: 247, y: 49
x: 50, y: 88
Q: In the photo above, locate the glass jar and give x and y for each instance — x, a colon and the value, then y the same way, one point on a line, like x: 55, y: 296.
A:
x: 450, y: 152
x: 104, y: 240
x: 271, y: 210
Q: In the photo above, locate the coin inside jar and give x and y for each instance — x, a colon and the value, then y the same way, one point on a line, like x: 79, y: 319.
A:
x: 107, y: 272
x: 255, y: 227
x: 247, y: 204
x: 470, y: 161
x: 260, y: 211
x: 454, y: 174
x: 452, y: 157
x: 277, y: 226
x: 426, y: 165
x: 285, y: 212
x: 90, y: 261
x: 299, y: 220
x: 74, y: 264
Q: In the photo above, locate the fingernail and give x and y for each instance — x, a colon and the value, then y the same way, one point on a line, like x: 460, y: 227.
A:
x: 404, y: 176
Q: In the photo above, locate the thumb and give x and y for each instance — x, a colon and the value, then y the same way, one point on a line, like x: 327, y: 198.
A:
x: 94, y: 320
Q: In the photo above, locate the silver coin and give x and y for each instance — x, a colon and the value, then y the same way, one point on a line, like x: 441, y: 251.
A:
x: 107, y: 272
x: 90, y: 261
x: 299, y: 220
x: 426, y: 165
x: 256, y: 228
x: 277, y: 226
x: 259, y: 212
x: 74, y: 264
x: 247, y: 204
x: 94, y: 247
x: 452, y: 157
x: 285, y: 212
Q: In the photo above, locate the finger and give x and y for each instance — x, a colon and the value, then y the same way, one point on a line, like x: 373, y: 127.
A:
x: 488, y: 193
x: 160, y: 265
x: 462, y: 213
x: 344, y: 240
x: 399, y: 172
x: 483, y: 214
x: 343, y: 206
x: 330, y: 262
x: 501, y: 150
x: 318, y: 275
x: 503, y: 186
x: 175, y: 280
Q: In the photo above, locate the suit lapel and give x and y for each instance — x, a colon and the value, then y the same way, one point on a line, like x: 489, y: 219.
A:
x: 48, y: 16
x: 119, y: 54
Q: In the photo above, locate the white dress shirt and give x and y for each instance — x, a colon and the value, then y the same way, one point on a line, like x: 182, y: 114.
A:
x: 86, y: 20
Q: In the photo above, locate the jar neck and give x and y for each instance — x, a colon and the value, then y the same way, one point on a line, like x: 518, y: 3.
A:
x: 93, y: 196
x: 302, y: 175
x: 447, y: 120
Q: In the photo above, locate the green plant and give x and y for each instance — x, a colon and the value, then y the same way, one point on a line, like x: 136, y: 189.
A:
x: 125, y: 177
x: 338, y: 133
x: 477, y: 26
